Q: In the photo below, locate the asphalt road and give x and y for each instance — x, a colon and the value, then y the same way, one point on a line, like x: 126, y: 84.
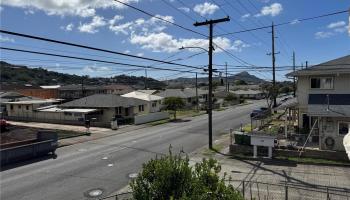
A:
x: 106, y: 163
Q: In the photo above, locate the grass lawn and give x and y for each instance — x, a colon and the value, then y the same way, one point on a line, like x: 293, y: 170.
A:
x: 163, y: 121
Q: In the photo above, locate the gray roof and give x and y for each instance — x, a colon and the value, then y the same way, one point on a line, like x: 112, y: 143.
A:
x: 182, y: 93
x: 15, y: 96
x: 336, y: 66
x: 104, y: 101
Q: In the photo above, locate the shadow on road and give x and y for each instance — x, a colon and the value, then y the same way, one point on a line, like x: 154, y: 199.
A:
x: 27, y: 162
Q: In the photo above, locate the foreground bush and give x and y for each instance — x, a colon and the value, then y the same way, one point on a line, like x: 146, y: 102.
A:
x: 171, y: 177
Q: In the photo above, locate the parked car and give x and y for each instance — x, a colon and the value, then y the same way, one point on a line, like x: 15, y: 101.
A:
x: 3, y: 125
x: 261, y: 112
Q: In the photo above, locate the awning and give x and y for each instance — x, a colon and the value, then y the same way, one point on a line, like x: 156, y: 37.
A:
x: 329, y: 110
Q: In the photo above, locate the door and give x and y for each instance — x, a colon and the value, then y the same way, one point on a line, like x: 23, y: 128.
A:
x: 126, y: 111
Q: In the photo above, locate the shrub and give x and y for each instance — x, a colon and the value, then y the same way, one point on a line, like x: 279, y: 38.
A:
x: 171, y: 177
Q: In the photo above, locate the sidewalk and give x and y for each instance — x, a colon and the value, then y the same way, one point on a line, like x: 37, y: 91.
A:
x: 96, y: 132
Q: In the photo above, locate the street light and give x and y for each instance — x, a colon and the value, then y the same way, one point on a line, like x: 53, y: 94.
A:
x: 182, y: 48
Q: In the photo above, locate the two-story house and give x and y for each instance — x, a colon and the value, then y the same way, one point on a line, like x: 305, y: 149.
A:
x: 323, y: 94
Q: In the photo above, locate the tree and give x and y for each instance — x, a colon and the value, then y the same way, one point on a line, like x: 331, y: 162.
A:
x: 230, y: 97
x: 171, y: 177
x: 174, y: 104
x: 285, y: 90
x: 240, y: 82
x: 270, y: 92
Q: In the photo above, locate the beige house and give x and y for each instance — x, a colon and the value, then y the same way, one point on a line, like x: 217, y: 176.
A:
x: 27, y: 108
x: 110, y: 106
x: 323, y: 94
x: 154, y: 102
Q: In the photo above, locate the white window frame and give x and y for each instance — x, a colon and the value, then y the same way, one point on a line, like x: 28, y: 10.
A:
x: 322, y: 77
x: 344, y: 123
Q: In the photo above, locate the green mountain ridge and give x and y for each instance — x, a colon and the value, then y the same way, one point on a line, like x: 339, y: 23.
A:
x: 19, y: 74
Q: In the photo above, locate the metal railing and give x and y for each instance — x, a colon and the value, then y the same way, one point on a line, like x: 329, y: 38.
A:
x: 260, y: 190
x: 255, y: 190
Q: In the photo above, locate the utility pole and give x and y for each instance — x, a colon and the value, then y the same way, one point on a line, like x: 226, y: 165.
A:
x: 82, y: 87
x: 294, y: 86
x: 145, y: 78
x: 226, y: 77
x: 210, y: 69
x: 197, y: 100
x: 306, y: 64
x: 273, y: 63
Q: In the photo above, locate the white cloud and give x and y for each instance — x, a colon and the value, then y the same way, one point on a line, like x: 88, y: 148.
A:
x: 29, y: 12
x: 185, y: 9
x: 239, y: 45
x: 205, y: 8
x: 1, y: 8
x: 296, y: 21
x: 163, y: 42
x: 140, y: 54
x: 244, y: 17
x: 69, y: 27
x: 83, y: 8
x: 141, y: 25
x: 336, y: 24
x: 93, y: 26
x: 6, y: 39
x: 115, y: 19
x: 95, y: 68
x: 127, y: 51
x: 333, y: 29
x: 323, y: 34
x: 272, y: 10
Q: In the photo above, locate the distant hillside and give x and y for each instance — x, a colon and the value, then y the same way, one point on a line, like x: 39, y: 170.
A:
x: 16, y: 74
x: 244, y: 76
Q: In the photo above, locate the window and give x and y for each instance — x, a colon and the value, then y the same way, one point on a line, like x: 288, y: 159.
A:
x: 322, y: 83
x: 118, y: 110
x: 27, y: 107
x: 343, y: 128
x: 19, y: 106
x: 141, y: 108
x: 154, y: 104
x: 11, y: 107
x: 78, y: 114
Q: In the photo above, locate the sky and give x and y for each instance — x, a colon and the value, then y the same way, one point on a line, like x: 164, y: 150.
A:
x: 110, y: 25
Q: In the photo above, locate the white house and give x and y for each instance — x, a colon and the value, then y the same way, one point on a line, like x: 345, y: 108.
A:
x: 323, y: 94
x: 154, y: 101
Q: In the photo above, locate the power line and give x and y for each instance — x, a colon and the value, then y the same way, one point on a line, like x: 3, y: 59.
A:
x: 152, y: 15
x: 286, y: 23
x: 88, y: 59
x: 89, y: 47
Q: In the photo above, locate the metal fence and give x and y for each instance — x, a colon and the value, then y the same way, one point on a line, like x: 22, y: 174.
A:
x: 288, y: 191
x: 254, y: 190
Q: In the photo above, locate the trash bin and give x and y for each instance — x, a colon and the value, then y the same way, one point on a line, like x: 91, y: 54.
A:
x: 114, y: 124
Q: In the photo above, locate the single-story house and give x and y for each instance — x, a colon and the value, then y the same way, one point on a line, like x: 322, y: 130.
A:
x: 26, y: 109
x: 110, y: 106
x: 188, y: 95
x: 154, y: 101
x: 249, y: 94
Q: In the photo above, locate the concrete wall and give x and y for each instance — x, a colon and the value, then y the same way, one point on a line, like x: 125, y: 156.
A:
x: 329, y: 128
x: 141, y: 119
x: 321, y: 154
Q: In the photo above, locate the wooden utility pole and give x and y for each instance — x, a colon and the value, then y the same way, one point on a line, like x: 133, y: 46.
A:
x: 210, y: 70
x: 197, y: 100
x: 294, y: 86
x: 273, y: 53
x: 145, y: 78
x: 273, y: 64
x: 226, y: 77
